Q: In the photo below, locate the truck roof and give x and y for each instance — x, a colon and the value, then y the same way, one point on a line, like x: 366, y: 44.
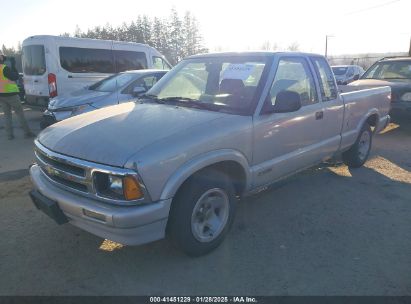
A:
x: 250, y: 53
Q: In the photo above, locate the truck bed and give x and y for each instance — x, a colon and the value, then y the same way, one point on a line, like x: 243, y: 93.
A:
x: 374, y: 101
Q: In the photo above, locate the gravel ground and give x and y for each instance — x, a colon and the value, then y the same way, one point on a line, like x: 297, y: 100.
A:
x: 325, y: 231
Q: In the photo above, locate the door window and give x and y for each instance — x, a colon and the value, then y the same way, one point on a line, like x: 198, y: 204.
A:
x: 145, y: 82
x: 293, y: 74
x: 130, y: 60
x: 327, y: 84
x: 84, y: 60
x: 160, y: 63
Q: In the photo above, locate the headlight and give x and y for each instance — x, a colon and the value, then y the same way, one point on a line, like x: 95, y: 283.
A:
x: 79, y: 109
x: 406, y: 97
x: 118, y: 187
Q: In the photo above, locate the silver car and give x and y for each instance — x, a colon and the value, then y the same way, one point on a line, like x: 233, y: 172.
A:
x: 344, y: 74
x: 110, y: 91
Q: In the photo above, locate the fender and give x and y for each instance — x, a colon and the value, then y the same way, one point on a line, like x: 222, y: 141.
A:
x: 371, y: 112
x: 201, y: 161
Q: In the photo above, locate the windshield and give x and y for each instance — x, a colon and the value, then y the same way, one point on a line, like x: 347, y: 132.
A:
x: 112, y: 83
x: 339, y: 70
x: 389, y: 70
x: 221, y: 84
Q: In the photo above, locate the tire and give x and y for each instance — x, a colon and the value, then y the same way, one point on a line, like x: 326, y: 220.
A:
x: 358, y: 154
x: 202, y: 212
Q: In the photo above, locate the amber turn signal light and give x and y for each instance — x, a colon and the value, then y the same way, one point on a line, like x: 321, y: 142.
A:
x: 132, y: 189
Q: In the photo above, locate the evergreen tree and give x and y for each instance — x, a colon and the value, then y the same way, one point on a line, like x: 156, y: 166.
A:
x: 174, y: 37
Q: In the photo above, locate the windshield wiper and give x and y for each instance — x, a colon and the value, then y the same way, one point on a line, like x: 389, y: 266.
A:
x: 179, y: 98
x: 192, y: 103
x: 151, y: 97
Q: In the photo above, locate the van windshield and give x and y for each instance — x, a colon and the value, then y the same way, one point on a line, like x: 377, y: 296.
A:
x: 112, y: 83
x: 33, y: 60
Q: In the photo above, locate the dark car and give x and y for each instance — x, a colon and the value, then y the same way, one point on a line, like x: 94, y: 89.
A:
x: 394, y: 72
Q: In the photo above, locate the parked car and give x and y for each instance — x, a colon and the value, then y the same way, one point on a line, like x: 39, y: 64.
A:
x: 215, y: 128
x: 394, y: 72
x: 112, y: 90
x: 345, y: 74
x: 54, y: 65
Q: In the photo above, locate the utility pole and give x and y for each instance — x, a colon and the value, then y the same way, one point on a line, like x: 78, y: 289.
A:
x: 409, y: 51
x: 326, y: 44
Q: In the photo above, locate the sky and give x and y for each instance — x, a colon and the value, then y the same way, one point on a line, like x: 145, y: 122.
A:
x: 355, y: 26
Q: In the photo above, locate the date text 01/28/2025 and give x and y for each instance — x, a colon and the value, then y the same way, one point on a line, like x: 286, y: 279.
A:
x: 203, y: 300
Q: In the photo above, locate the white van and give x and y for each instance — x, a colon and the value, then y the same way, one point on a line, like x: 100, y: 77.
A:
x: 54, y: 65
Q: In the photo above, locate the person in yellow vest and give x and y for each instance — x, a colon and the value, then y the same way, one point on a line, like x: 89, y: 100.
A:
x: 9, y: 99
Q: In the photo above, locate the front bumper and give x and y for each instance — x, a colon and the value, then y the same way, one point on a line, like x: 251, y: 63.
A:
x: 37, y: 101
x: 128, y: 225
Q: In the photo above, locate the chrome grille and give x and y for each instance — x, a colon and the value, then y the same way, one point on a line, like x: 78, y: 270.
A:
x: 77, y: 175
x: 59, y: 165
x: 62, y: 171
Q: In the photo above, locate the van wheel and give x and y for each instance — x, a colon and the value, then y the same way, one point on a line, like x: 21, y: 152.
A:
x: 202, y: 212
x: 357, y: 155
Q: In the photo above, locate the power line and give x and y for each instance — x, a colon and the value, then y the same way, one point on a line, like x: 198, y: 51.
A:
x: 372, y: 7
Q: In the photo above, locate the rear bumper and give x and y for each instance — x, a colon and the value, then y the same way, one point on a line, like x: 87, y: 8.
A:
x: 37, y: 101
x: 128, y: 225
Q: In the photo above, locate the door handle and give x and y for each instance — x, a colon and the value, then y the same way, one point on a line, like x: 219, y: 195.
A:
x: 36, y: 81
x: 319, y: 115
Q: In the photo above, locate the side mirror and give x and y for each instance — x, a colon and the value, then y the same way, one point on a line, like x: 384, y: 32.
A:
x: 356, y: 77
x: 138, y: 91
x: 287, y: 101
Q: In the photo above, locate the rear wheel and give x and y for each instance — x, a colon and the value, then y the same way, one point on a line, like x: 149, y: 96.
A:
x: 202, y: 212
x: 357, y: 155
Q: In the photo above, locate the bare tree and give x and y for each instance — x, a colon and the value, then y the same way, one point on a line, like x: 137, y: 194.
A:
x: 294, y: 47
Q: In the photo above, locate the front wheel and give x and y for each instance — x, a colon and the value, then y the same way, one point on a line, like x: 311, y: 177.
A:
x: 202, y: 212
x: 357, y: 155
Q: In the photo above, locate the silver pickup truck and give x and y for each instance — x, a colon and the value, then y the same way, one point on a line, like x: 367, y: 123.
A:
x: 215, y: 128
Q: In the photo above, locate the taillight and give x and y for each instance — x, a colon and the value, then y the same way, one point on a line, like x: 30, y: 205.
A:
x: 52, y: 85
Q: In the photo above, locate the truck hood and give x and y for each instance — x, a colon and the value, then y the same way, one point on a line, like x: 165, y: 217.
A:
x: 77, y: 98
x: 398, y: 87
x: 113, y: 134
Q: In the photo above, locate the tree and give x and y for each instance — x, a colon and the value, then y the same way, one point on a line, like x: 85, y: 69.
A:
x: 174, y: 37
x: 293, y: 47
x: 267, y: 46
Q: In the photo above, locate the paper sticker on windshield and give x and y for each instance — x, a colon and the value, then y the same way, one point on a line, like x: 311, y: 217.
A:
x: 238, y: 71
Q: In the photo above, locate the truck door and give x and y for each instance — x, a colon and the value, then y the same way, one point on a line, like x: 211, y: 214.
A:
x: 287, y: 142
x: 333, y: 106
